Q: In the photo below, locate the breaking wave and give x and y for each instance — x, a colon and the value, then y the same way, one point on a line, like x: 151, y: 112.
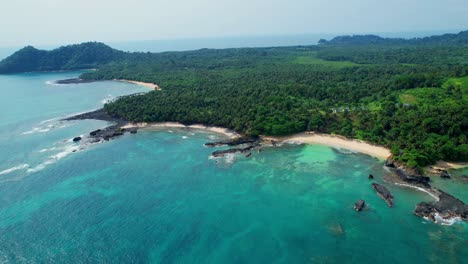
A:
x: 19, y: 167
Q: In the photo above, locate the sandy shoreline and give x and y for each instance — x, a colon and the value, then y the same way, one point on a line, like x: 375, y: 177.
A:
x: 336, y: 142
x: 308, y: 138
x: 450, y: 165
x: 144, y: 84
x: 219, y: 130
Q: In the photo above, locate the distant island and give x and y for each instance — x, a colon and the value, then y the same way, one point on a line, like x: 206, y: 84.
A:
x: 409, y: 95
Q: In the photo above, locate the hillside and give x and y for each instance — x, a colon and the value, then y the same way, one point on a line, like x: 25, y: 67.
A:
x: 81, y: 56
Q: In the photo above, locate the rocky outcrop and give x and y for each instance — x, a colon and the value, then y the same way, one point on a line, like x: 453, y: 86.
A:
x: 74, y: 81
x: 107, y: 133
x: 436, y: 171
x: 445, y: 209
x: 233, y: 142
x: 359, y: 205
x: 370, y: 177
x: 383, y: 193
x: 95, y: 132
x: 389, y: 163
x: 420, y: 181
x: 76, y: 139
x: 221, y: 153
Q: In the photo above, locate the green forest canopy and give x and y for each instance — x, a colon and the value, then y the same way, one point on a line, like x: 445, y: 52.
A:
x: 409, y: 95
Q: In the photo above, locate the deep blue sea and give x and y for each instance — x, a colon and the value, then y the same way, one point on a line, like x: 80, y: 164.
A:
x: 157, y: 197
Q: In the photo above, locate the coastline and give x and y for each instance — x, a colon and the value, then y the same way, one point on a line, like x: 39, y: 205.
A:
x: 220, y: 130
x: 360, y: 146
x: 144, y: 84
x: 307, y: 138
x: 450, y: 165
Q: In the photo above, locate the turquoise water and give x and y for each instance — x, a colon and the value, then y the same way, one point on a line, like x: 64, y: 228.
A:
x: 157, y: 197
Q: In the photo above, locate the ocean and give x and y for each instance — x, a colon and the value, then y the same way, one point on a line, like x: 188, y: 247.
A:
x: 158, y: 197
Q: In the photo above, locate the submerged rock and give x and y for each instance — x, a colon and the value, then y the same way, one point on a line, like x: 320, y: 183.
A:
x: 446, y: 209
x: 359, y: 205
x: 370, y: 177
x: 383, y: 193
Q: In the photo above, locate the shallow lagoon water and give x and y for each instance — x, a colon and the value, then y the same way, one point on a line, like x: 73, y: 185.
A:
x: 157, y: 197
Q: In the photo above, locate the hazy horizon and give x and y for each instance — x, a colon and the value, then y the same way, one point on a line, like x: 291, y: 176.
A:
x: 59, y: 22
x: 185, y: 44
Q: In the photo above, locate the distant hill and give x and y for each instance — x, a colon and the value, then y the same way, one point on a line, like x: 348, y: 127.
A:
x: 79, y: 56
x: 446, y: 39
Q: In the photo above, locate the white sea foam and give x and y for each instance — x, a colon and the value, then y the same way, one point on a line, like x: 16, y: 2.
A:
x: 54, y: 158
x: 40, y: 166
x: 108, y: 99
x: 442, y: 221
x: 49, y: 120
x: 184, y: 137
x: 47, y: 149
x: 345, y: 151
x: 230, y: 158
x: 19, y: 167
x: 420, y: 189
x: 36, y: 130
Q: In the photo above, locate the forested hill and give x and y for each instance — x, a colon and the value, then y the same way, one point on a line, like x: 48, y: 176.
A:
x: 81, y: 56
x: 446, y: 39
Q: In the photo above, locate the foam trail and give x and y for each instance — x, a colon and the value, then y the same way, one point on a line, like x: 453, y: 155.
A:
x: 36, y: 130
x: 420, y: 189
x: 20, y: 167
x: 47, y: 149
x: 54, y: 158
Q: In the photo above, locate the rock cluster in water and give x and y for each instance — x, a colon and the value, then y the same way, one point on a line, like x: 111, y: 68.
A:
x: 446, y: 208
x: 249, y: 142
x: 107, y: 133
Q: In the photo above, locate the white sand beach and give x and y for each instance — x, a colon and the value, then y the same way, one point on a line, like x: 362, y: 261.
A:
x: 336, y: 142
x: 147, y: 85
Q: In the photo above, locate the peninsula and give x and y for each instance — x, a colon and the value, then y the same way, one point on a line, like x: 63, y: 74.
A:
x: 407, y: 95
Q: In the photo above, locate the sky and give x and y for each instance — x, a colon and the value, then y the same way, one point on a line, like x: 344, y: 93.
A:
x: 49, y: 22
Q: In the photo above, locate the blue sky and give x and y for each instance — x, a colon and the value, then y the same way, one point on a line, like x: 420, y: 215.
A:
x: 42, y: 22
